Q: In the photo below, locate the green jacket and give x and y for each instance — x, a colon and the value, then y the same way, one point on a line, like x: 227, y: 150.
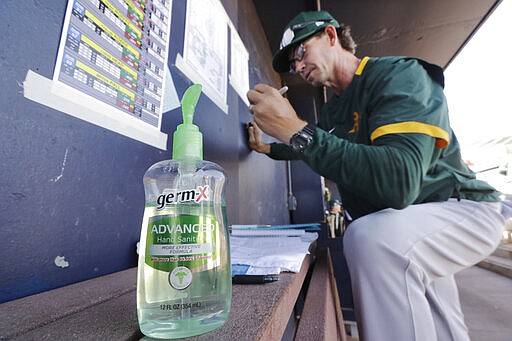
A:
x: 387, y: 142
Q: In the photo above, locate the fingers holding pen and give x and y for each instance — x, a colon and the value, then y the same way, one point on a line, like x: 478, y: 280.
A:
x: 263, y: 97
x: 273, y: 113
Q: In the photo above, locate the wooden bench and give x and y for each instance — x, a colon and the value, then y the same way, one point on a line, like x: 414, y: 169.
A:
x: 104, y: 308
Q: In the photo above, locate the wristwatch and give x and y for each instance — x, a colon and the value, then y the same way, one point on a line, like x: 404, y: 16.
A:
x: 301, y: 139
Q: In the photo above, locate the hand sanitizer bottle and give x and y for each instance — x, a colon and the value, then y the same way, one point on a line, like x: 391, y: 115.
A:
x: 184, y: 270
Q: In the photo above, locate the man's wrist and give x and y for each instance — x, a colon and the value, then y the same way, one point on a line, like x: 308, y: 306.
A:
x: 264, y: 148
x: 293, y: 129
x: 302, y: 138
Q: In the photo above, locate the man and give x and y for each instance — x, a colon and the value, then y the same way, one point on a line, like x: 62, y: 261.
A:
x: 418, y: 213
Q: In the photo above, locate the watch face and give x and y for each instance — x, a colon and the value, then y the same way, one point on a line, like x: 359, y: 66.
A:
x: 298, y: 143
x: 300, y: 140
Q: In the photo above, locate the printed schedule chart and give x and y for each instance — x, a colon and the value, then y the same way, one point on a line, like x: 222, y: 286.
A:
x: 116, y: 51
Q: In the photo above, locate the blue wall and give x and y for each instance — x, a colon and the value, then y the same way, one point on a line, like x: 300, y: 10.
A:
x: 72, y: 189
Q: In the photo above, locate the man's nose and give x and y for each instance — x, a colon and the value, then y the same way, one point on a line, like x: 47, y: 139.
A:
x: 299, y: 66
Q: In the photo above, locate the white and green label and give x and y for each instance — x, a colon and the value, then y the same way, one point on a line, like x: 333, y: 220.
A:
x: 182, y: 241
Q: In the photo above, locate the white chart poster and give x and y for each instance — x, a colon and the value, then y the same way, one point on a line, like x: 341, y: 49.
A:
x: 205, y: 49
x: 115, y: 52
x: 239, y: 72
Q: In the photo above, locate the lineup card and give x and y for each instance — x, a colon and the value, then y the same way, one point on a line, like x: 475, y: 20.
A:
x: 116, y: 51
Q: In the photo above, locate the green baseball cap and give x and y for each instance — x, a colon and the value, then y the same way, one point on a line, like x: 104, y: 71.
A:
x: 303, y: 26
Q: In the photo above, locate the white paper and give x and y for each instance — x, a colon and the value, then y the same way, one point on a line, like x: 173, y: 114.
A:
x: 205, y: 47
x: 239, y: 72
x: 285, y: 253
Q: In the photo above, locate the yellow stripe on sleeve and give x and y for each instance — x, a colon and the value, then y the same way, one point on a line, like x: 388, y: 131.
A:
x: 442, y: 137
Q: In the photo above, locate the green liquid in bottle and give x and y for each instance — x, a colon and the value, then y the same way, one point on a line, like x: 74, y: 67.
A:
x: 184, y: 270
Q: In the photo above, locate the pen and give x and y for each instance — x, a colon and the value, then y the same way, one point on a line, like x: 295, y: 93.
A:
x: 254, y: 279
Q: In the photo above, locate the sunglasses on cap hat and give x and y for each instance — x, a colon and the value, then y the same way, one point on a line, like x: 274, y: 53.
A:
x: 289, y: 33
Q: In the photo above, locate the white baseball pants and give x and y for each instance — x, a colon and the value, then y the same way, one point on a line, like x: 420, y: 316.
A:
x: 402, y: 263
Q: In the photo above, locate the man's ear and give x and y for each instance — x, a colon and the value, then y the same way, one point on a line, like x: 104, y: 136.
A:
x: 331, y: 34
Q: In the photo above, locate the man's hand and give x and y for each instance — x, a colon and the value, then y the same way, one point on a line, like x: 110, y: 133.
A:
x: 255, y: 142
x: 273, y: 113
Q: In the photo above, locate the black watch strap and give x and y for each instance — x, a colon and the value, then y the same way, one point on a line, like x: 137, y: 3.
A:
x: 301, y: 139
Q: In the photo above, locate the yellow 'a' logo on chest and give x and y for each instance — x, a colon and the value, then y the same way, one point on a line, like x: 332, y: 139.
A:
x: 357, y: 119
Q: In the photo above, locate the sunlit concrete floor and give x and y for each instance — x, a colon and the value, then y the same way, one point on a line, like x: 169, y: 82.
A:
x: 486, y: 300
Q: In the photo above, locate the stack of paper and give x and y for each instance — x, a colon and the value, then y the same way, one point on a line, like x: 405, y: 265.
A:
x: 290, y: 230
x: 278, y: 248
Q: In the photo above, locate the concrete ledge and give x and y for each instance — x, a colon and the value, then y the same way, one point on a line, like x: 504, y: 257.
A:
x: 499, y: 265
x: 504, y: 251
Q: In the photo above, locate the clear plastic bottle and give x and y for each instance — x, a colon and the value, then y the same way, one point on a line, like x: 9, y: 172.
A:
x: 184, y: 270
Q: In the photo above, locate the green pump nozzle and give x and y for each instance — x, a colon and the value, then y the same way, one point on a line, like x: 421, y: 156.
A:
x: 188, y: 140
